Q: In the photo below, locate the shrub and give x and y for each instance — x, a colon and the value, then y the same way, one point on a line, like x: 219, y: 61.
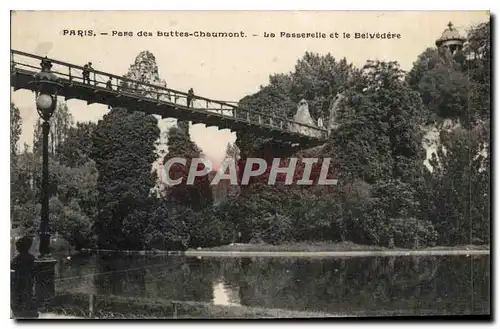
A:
x: 412, y: 233
x: 275, y: 229
x: 207, y: 229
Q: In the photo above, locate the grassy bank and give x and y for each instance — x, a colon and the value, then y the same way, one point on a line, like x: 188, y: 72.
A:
x: 305, y: 249
x: 326, y: 246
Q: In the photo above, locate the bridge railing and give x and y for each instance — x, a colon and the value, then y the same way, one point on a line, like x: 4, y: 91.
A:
x: 146, y: 91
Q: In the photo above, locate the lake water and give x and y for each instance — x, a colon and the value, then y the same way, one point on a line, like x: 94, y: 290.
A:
x: 363, y: 286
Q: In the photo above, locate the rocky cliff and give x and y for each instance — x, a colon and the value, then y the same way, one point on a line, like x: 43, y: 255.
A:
x: 145, y: 69
x: 332, y: 123
x: 304, y: 116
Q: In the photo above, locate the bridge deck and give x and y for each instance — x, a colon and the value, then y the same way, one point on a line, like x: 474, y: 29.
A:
x: 159, y: 100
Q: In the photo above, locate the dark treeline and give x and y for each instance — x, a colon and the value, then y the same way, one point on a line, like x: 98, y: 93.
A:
x: 105, y: 194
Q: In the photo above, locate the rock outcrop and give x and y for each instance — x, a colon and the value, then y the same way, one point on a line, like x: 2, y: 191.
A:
x: 334, y: 108
x: 303, y: 116
x: 431, y: 139
x: 145, y: 70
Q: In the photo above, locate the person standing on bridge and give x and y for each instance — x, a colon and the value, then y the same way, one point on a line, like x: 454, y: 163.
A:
x: 109, y: 83
x: 91, y: 69
x: 86, y: 74
x: 109, y: 86
x: 190, y: 97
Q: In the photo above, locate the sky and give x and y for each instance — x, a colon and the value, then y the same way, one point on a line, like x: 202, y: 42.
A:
x: 222, y: 69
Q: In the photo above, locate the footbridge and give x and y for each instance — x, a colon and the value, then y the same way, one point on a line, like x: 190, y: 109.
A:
x: 162, y: 101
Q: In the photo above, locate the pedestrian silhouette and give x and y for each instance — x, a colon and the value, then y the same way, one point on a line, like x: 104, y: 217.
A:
x: 86, y: 74
x: 190, y: 97
x: 91, y: 69
x: 109, y: 84
x: 22, y: 276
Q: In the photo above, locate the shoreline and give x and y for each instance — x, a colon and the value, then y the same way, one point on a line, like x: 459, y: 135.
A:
x: 365, y: 253
x: 143, y: 308
x: 82, y: 305
x: 247, y: 250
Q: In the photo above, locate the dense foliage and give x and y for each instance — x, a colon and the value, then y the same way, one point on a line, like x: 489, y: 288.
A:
x: 72, y: 183
x: 123, y: 148
x: 102, y: 182
x: 198, y: 195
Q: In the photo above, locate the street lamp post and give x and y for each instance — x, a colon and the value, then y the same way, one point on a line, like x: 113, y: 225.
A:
x: 46, y: 87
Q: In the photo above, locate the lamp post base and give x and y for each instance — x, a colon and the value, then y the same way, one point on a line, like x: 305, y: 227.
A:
x: 44, y: 281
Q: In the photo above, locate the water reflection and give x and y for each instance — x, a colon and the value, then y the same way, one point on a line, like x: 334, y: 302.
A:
x: 408, y: 285
x: 224, y: 294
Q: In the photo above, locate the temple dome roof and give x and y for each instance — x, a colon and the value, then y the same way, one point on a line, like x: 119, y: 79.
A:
x: 450, y: 34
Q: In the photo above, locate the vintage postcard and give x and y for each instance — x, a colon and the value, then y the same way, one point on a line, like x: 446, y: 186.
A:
x: 250, y: 164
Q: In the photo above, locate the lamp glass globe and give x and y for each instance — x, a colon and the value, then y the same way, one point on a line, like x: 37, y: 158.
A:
x: 44, y: 102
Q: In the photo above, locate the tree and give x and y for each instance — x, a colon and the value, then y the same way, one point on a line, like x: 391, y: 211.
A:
x: 123, y: 148
x: 454, y: 196
x: 196, y: 196
x: 23, y: 189
x: 78, y: 184
x: 379, y: 142
x: 61, y: 122
x: 271, y: 99
x: 71, y: 222
x: 167, y: 229
x: 72, y: 189
x: 15, y: 129
x: 207, y: 229
x: 232, y: 152
x: 223, y: 189
x: 72, y: 202
x: 456, y: 88
x: 379, y: 133
x: 60, y: 125
x: 75, y: 150
x: 478, y: 69
x: 459, y: 187
x: 16, y: 183
x: 444, y: 91
x: 316, y: 78
x: 425, y: 62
